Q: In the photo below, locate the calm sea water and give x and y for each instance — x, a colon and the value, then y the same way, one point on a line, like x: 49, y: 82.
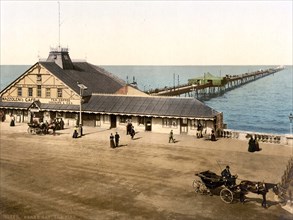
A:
x: 261, y: 106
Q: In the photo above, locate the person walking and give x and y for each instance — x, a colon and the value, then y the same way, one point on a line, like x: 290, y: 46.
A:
x: 117, y: 137
x: 112, y: 144
x: 171, y: 138
x: 132, y: 132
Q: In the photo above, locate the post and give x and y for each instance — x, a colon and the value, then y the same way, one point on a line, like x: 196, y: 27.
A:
x: 80, y: 113
x: 81, y: 88
x: 291, y: 121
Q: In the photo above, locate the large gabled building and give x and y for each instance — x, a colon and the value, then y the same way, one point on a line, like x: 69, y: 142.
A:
x: 50, y: 89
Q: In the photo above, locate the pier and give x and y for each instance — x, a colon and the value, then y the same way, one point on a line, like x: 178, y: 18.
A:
x: 204, y: 88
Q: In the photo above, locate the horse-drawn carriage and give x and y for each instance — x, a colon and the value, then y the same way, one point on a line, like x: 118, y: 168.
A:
x: 210, y: 180
x: 37, y: 128
x: 229, y: 189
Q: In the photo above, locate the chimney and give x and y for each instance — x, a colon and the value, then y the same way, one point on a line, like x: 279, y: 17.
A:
x: 61, y: 57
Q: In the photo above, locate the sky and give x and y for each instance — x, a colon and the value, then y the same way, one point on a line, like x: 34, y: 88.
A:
x: 149, y: 32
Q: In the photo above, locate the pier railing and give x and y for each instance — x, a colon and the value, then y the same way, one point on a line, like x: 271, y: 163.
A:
x: 261, y: 137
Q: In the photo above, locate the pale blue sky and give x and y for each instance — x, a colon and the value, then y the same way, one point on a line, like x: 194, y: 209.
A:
x: 150, y: 32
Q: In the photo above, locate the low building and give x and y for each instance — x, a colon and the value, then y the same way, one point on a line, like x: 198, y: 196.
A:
x: 52, y: 89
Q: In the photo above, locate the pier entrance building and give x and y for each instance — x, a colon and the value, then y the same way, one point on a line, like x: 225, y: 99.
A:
x: 50, y: 90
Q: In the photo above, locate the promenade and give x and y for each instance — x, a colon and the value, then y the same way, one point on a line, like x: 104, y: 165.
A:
x: 58, y: 177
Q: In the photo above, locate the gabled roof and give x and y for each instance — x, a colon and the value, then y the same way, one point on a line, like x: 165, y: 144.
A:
x: 96, y: 79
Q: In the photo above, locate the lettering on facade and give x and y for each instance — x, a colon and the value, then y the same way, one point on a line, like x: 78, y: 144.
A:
x: 60, y: 101
x: 17, y: 99
x: 52, y: 100
x: 12, y: 99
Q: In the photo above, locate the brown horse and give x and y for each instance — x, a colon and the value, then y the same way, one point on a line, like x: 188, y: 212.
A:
x: 254, y: 187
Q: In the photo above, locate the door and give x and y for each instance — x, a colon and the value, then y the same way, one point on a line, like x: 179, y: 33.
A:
x: 113, y: 121
x: 183, y: 126
x: 148, y: 124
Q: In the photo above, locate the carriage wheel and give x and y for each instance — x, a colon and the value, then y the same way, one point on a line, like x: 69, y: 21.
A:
x: 199, y: 187
x: 29, y: 130
x: 226, y: 195
x: 196, y: 185
x: 38, y: 131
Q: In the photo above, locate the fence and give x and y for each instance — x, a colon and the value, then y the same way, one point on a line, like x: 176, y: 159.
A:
x: 261, y: 137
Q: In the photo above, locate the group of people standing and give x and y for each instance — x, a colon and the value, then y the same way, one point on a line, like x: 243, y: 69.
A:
x: 115, y: 143
x: 114, y: 139
x: 130, y: 130
x: 253, y: 145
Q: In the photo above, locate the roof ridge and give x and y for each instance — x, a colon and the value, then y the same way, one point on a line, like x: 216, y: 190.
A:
x: 166, y: 97
x: 107, y: 73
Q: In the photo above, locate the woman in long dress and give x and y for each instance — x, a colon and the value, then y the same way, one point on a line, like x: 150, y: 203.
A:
x: 251, y: 145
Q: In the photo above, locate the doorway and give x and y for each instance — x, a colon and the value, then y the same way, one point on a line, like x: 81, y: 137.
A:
x: 113, y: 120
x: 183, y: 126
x: 148, y: 124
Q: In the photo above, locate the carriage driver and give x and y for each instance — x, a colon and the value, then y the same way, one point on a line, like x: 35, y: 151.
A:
x: 226, y: 175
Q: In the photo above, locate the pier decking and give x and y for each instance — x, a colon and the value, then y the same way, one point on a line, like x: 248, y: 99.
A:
x: 206, y: 89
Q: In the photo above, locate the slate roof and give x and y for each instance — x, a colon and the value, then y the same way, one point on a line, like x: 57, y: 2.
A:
x: 15, y: 105
x: 96, y: 79
x: 42, y: 106
x: 149, y: 106
x: 132, y: 105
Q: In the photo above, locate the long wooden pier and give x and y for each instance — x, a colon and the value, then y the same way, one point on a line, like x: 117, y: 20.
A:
x: 206, y: 89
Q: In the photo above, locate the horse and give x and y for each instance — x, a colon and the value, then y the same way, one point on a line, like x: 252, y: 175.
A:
x: 256, y: 187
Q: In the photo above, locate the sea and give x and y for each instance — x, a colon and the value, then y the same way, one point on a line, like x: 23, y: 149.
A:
x: 260, y: 106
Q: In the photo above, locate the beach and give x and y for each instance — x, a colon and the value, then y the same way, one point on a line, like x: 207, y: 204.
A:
x: 58, y: 177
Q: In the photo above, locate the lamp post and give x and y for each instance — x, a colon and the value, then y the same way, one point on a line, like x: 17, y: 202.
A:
x: 291, y: 121
x: 81, y: 89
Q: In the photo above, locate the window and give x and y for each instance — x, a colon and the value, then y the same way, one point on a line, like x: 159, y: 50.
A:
x: 193, y: 124
x: 39, y: 78
x: 141, y: 120
x: 70, y: 115
x: 169, y: 122
x: 48, y: 92
x: 39, y: 91
x: 59, y: 93
x: 174, y: 123
x: 124, y: 118
x: 30, y: 92
x: 19, y: 91
x: 106, y: 119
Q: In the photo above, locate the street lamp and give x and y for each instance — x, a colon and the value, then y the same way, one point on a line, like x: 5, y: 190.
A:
x: 291, y: 121
x: 81, y: 88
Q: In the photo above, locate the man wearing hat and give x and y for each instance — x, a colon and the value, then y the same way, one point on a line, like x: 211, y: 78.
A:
x: 226, y: 175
